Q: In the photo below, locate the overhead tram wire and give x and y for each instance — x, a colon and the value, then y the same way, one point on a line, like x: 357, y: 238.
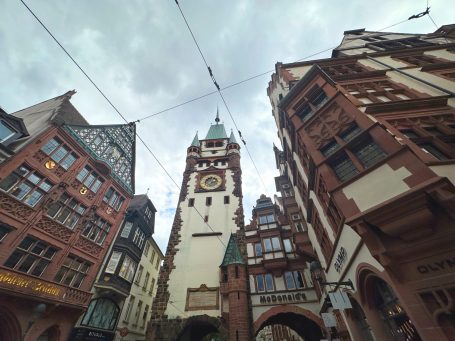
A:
x: 115, y: 108
x: 212, y: 76
x: 269, y: 71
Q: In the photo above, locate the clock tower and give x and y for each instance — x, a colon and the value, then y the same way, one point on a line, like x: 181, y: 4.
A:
x: 204, y: 267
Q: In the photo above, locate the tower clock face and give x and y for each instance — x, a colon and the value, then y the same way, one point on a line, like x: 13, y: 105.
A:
x: 211, y: 181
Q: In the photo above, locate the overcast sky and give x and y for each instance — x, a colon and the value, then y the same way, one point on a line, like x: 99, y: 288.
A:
x: 141, y: 55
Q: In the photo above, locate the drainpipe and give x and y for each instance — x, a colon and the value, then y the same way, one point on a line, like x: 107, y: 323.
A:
x: 451, y: 93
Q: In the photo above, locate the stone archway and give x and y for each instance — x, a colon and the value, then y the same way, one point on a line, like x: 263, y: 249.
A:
x: 10, y: 329
x: 199, y: 328
x: 308, y: 325
x: 382, y: 307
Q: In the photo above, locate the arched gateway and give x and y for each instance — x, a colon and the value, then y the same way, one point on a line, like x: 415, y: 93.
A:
x: 302, y: 321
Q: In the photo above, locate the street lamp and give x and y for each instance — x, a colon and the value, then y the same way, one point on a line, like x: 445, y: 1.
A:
x: 316, y: 270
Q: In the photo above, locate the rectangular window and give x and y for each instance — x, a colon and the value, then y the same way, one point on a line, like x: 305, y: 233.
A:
x: 350, y: 133
x: 276, y: 244
x: 368, y: 153
x: 208, y: 201
x: 59, y: 153
x: 344, y: 168
x: 31, y: 256
x: 266, y: 219
x: 191, y: 202
x: 126, y: 229
x: 144, y: 316
x: 26, y: 185
x: 96, y: 230
x: 146, y: 249
x: 66, y: 210
x: 129, y: 308
x: 138, y: 312
x: 113, y: 262
x: 139, y: 237
x: 4, y: 230
x: 287, y: 245
x: 294, y: 280
x: 153, y: 256
x: 269, y: 285
x: 139, y: 274
x: 127, y: 269
x: 90, y: 179
x: 113, y: 199
x: 260, y: 285
x: 6, y: 131
x: 258, y: 249
x: 72, y: 272
x: 152, y: 286
x: 157, y: 264
x: 226, y: 199
x: 146, y: 281
x: 267, y: 245
x: 431, y: 149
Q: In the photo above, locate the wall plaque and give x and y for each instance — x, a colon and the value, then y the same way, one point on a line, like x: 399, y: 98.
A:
x: 202, y: 298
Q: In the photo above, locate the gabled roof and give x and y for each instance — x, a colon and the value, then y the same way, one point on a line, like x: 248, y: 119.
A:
x: 232, y: 254
x: 114, y: 145
x: 216, y: 131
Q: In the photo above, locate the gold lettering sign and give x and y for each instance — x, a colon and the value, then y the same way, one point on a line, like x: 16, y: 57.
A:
x: 32, y: 285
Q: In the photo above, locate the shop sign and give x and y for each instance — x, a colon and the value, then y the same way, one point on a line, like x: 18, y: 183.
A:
x: 341, y: 258
x: 442, y: 265
x: 329, y: 319
x: 282, y: 298
x: 28, y: 284
x: 340, y: 300
x: 84, y: 334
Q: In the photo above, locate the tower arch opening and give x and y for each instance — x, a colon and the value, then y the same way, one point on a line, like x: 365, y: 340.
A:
x: 9, y: 326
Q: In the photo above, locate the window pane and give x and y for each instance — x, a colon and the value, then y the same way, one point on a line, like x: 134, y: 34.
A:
x: 113, y: 262
x: 82, y: 174
x: 7, y: 183
x: 258, y: 249
x: 429, y: 148
x: 260, y: 283
x: 267, y: 245
x: 299, y: 279
x: 287, y: 245
x: 269, y: 282
x: 344, y: 168
x: 69, y: 160
x: 26, y: 243
x: 39, y: 267
x: 34, y: 178
x: 369, y: 153
x: 289, y: 280
x: 50, y: 146
x: 38, y: 248
x: 50, y: 252
x: 59, y: 154
x: 14, y: 259
x: 89, y: 180
x: 276, y: 244
x: 33, y: 198
x: 21, y: 190
x: 27, y: 263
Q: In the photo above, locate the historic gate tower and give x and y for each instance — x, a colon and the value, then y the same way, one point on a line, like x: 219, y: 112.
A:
x: 203, y: 284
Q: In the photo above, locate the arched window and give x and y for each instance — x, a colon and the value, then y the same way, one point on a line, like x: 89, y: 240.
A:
x: 102, y: 313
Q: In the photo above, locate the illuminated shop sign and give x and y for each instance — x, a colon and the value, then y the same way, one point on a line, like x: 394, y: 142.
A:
x: 30, y: 285
x: 282, y: 298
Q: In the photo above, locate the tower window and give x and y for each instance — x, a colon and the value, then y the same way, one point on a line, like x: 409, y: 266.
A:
x: 206, y: 218
x: 191, y: 202
x: 208, y: 201
x: 226, y: 199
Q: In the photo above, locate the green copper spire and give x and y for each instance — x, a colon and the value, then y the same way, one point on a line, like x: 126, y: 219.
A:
x: 216, y: 130
x: 232, y: 138
x: 232, y: 254
x: 196, y: 142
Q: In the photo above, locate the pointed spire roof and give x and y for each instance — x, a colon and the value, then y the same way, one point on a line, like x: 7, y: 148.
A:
x: 232, y: 138
x: 232, y: 254
x: 196, y: 142
x: 114, y: 145
x: 216, y: 130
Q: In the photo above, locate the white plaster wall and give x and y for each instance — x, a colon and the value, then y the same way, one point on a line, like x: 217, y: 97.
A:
x: 377, y: 186
x: 299, y: 72
x: 447, y: 171
x: 198, y: 259
x: 450, y: 56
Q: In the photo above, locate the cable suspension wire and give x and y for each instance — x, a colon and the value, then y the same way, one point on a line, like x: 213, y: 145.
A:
x: 268, y: 71
x: 115, y: 108
x: 212, y: 76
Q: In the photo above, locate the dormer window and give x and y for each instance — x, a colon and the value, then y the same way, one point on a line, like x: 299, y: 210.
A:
x: 6, y: 131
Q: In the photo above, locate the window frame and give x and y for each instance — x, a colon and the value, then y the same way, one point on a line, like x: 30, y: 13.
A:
x: 93, y: 175
x: 56, y: 149
x: 80, y: 272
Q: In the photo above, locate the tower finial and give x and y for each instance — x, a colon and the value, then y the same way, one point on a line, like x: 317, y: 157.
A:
x: 217, y: 119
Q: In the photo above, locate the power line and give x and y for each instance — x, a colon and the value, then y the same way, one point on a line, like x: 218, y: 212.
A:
x: 267, y: 72
x: 115, y: 108
x: 212, y: 76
